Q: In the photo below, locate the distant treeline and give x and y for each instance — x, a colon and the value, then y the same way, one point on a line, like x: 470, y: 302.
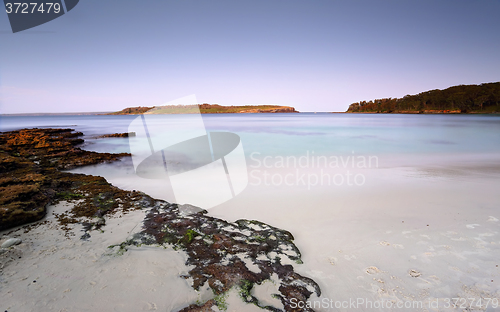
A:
x: 483, y: 98
x: 132, y: 110
x: 205, y: 109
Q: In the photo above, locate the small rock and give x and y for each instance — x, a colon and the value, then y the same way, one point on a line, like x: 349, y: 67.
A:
x: 11, y: 242
x: 187, y: 209
x: 99, y: 221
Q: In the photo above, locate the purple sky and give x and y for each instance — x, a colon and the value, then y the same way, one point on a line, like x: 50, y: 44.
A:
x: 315, y: 55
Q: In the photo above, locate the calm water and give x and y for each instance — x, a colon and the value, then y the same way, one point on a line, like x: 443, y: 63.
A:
x: 294, y: 134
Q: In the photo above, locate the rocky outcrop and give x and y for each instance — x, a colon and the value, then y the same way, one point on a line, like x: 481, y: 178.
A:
x: 442, y: 111
x: 30, y: 161
x: 228, y: 255
x: 116, y: 135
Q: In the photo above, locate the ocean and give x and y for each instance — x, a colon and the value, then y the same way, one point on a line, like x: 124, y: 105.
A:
x: 322, y: 132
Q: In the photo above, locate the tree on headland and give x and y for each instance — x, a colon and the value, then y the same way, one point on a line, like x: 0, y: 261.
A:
x: 483, y: 98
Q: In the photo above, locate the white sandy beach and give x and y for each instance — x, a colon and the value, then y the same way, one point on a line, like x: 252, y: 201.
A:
x: 409, y: 235
x: 51, y: 272
x: 420, y: 236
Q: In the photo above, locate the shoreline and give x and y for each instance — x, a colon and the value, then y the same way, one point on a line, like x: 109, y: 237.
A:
x: 423, y: 113
x: 53, y: 114
x: 219, y: 113
x: 231, y: 259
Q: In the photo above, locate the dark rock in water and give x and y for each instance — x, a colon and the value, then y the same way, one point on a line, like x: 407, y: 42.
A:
x: 227, y: 255
x: 117, y: 135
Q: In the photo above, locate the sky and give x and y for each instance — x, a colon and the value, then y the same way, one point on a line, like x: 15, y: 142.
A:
x: 314, y: 55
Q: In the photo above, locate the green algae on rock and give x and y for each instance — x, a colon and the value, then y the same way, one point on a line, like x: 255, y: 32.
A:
x: 227, y: 255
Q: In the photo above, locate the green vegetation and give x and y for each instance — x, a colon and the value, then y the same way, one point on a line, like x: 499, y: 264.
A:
x: 132, y: 111
x: 220, y: 301
x: 205, y: 109
x: 259, y: 238
x: 123, y: 248
x: 245, y: 290
x: 104, y: 201
x: 218, y: 109
x: 189, y: 236
x: 483, y: 98
x: 68, y: 195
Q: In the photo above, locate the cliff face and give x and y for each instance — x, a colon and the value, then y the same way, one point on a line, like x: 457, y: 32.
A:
x: 282, y: 109
x: 484, y: 98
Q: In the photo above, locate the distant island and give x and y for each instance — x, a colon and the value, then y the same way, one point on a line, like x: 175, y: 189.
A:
x: 482, y: 99
x: 205, y: 109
